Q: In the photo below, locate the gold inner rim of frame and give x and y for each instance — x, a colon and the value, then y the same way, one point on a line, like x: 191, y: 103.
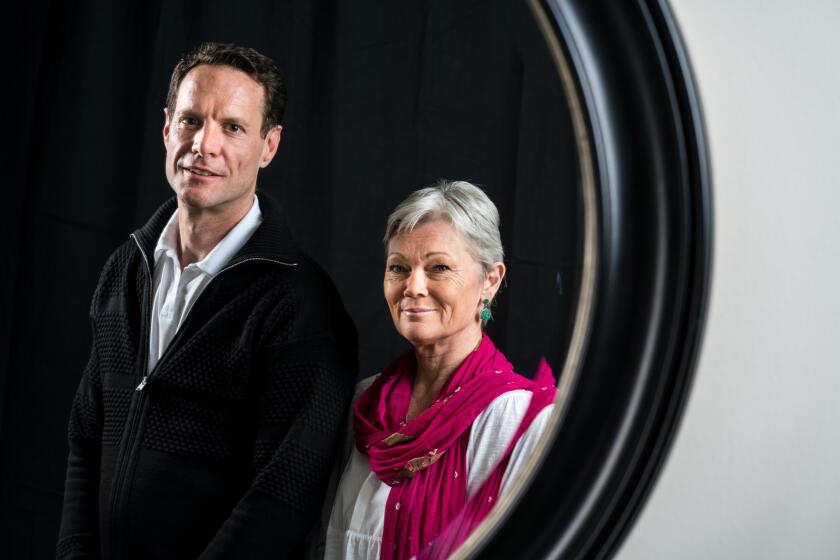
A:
x: 583, y: 313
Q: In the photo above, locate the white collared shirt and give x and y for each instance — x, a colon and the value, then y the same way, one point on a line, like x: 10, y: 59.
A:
x: 175, y: 290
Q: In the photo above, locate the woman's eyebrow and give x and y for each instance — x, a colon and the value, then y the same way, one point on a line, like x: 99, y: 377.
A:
x: 427, y: 255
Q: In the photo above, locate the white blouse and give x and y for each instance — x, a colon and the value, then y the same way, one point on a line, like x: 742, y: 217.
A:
x: 358, y: 514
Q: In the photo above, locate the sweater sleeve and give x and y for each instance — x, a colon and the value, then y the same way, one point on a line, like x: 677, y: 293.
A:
x: 301, y: 413
x: 79, y: 533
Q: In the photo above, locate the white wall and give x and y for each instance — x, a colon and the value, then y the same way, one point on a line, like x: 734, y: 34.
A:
x: 755, y: 470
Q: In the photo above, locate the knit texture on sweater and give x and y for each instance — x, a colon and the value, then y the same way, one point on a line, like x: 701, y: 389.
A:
x: 226, y: 451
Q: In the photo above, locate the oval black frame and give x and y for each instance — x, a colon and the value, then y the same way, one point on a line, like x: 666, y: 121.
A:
x: 633, y: 83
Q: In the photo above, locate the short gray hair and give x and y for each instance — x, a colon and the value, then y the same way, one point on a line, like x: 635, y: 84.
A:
x: 464, y: 205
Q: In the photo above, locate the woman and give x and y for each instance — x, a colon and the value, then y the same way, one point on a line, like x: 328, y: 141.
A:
x: 440, y: 432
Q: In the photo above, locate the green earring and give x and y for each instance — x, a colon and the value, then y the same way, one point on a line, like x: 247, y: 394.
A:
x: 486, y: 314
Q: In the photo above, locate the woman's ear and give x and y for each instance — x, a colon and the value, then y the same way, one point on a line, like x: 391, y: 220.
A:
x: 493, y: 280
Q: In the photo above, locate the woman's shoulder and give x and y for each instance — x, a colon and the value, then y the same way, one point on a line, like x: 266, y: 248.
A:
x: 495, y: 428
x: 507, y: 409
x: 491, y: 432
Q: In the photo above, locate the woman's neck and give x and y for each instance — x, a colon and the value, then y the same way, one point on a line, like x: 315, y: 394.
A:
x: 435, y: 365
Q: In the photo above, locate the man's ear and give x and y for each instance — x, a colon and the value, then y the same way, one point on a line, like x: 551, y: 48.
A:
x: 270, y: 145
x: 166, y: 124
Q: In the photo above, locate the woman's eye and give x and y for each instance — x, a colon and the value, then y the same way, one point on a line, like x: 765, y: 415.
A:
x: 396, y: 269
x: 440, y: 268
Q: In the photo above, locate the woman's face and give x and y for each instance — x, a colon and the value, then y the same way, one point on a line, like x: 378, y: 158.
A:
x: 434, y: 287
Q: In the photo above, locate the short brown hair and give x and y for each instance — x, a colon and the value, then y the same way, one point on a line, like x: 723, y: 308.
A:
x: 258, y: 66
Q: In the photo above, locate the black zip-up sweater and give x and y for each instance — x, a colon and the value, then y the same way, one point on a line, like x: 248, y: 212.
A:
x: 225, y: 450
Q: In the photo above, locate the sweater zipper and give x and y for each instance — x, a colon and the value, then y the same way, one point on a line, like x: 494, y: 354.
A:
x: 127, y: 447
x: 131, y: 436
x: 147, y: 377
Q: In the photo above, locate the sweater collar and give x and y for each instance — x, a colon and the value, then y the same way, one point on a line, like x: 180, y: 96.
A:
x: 271, y: 242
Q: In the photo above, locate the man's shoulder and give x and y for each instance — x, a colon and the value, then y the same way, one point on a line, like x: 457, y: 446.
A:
x: 309, y: 271
x: 121, y: 257
x: 306, y: 295
x: 141, y: 240
x: 114, y: 276
x: 301, y: 277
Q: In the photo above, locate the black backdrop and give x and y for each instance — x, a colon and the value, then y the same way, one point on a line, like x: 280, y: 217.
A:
x: 385, y: 97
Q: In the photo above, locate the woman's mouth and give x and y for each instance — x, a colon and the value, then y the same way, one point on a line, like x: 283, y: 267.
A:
x: 417, y: 311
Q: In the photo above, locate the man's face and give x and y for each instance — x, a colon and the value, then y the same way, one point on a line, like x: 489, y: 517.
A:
x: 213, y: 144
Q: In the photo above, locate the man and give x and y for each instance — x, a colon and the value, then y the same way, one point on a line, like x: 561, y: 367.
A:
x: 222, y: 361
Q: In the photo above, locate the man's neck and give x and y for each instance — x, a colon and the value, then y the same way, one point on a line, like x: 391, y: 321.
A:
x: 200, y: 230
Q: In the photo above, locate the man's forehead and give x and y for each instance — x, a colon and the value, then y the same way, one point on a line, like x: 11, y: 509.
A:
x: 224, y: 86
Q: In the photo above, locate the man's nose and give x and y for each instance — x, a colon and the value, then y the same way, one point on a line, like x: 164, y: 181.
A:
x: 415, y: 286
x: 207, y: 141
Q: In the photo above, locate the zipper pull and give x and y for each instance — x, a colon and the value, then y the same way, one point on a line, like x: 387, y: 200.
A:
x: 142, y: 383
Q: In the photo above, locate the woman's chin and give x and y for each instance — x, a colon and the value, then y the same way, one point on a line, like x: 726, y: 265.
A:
x: 420, y: 335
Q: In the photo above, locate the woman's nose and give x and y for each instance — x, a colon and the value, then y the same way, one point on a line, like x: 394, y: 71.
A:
x: 416, y: 284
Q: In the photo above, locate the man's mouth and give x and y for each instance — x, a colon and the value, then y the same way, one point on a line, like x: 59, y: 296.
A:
x: 199, y: 171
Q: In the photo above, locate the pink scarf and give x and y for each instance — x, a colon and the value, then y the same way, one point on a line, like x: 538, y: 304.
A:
x: 424, y: 460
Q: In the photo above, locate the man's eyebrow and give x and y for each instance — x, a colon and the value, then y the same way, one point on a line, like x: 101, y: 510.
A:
x: 224, y: 118
x: 183, y: 112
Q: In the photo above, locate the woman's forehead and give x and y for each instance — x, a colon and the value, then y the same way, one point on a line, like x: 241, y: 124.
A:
x: 435, y: 236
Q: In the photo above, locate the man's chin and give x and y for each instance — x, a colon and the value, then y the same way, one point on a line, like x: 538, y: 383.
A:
x: 202, y: 198
x: 195, y: 199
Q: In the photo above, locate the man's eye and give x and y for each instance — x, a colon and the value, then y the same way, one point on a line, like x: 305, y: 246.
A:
x: 189, y: 121
x: 233, y: 127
